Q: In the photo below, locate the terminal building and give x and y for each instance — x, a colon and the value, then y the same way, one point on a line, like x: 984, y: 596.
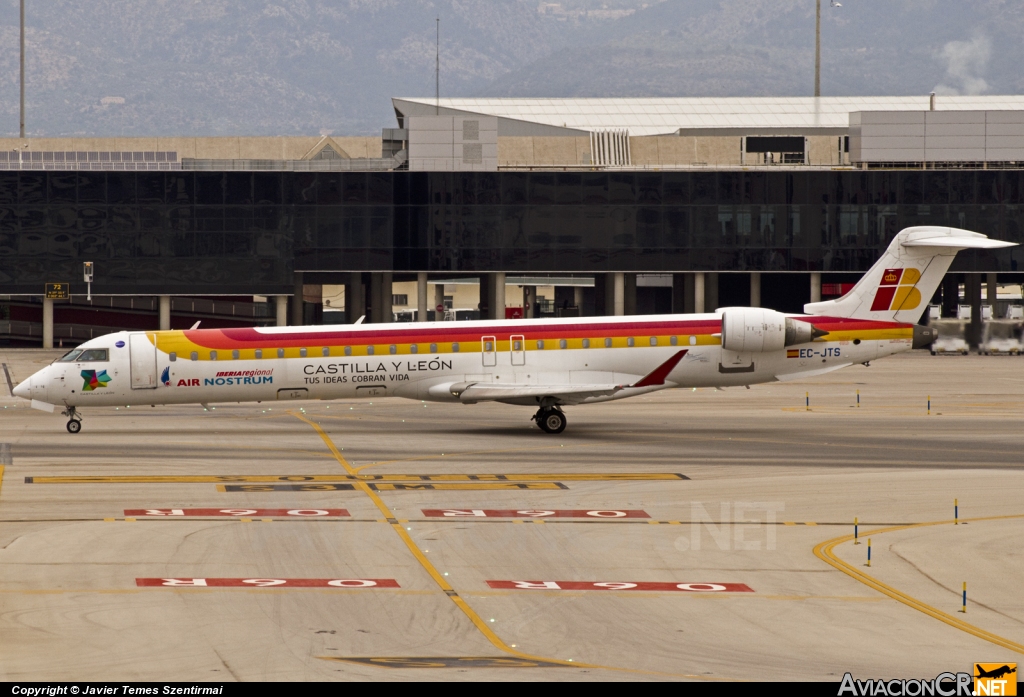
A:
x: 504, y: 208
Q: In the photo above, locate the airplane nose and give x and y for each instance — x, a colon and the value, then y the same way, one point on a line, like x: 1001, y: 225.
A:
x: 24, y: 389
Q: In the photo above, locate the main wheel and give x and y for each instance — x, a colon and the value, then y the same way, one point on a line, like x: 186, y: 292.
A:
x: 74, y: 426
x: 552, y: 421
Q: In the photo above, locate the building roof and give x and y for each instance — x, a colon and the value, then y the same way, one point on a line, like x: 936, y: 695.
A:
x: 692, y: 115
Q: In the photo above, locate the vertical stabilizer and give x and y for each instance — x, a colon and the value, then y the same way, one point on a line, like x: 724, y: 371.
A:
x: 900, y: 284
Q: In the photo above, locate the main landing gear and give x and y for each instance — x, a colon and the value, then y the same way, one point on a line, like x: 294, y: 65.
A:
x: 74, y: 420
x: 550, y: 419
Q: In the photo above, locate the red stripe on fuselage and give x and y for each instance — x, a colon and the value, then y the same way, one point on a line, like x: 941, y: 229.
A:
x: 251, y: 338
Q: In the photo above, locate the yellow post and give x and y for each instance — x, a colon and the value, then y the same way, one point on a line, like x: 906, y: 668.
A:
x: 807, y: 400
x: 964, y: 608
x: 855, y: 540
x: 869, y: 551
x: 858, y: 399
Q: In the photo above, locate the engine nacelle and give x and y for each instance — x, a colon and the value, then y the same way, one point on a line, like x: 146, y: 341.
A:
x: 757, y: 330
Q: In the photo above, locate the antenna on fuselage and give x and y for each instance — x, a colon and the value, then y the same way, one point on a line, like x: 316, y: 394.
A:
x: 195, y: 326
x: 360, y: 320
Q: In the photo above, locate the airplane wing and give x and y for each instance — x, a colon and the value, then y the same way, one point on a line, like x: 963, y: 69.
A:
x: 565, y: 394
x: 810, y: 373
x: 471, y: 393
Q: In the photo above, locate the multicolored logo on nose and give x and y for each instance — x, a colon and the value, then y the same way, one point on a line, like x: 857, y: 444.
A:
x: 94, y: 379
x: 896, y: 290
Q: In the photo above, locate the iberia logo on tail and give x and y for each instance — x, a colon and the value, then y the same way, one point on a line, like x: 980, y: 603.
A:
x: 896, y: 291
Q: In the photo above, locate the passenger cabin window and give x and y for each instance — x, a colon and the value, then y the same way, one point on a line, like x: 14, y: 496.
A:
x: 540, y: 344
x: 654, y: 341
x: 586, y: 343
x: 213, y: 355
x: 369, y: 350
x: 302, y: 353
x: 630, y: 342
x: 414, y: 348
x: 93, y: 355
x: 392, y: 349
x: 259, y: 353
x: 562, y: 343
x: 280, y: 353
x: 348, y: 350
x: 172, y: 357
x: 70, y: 356
x: 433, y: 348
x: 326, y: 351
x: 194, y: 355
x: 607, y: 343
x: 488, y: 346
x: 455, y: 348
x: 235, y: 354
x: 673, y: 340
x: 693, y: 341
x: 517, y: 345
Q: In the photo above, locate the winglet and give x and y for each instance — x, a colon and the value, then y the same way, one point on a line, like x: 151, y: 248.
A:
x: 658, y: 375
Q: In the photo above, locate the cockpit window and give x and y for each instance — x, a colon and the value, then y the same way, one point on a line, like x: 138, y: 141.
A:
x: 93, y: 355
x: 70, y: 356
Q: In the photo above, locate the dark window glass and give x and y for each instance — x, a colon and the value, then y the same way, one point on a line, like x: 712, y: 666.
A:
x: 936, y: 187
x: 266, y: 187
x: 961, y: 187
x: 31, y: 188
x: 353, y: 187
x: 648, y: 188
x: 419, y: 188
x: 179, y: 187
x: 594, y: 188
x: 238, y: 188
x: 62, y: 187
x: 542, y: 189
x: 676, y: 188
x: 120, y: 187
x: 328, y: 188
x: 92, y: 187
x: 210, y: 188
x: 621, y: 188
x: 703, y: 188
x: 910, y: 187
x: 8, y: 187
x: 299, y: 187
x: 513, y: 188
x: 378, y: 187
x: 730, y: 186
x: 150, y: 187
x: 567, y: 189
x: 488, y: 188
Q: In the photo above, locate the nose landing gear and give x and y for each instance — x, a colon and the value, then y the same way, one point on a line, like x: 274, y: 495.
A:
x: 74, y: 420
x: 550, y: 419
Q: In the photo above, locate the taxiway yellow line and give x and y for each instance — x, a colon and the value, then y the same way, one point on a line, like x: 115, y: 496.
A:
x: 824, y: 551
x: 439, y: 579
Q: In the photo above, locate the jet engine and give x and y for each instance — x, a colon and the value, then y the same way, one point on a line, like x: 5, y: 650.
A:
x: 754, y: 329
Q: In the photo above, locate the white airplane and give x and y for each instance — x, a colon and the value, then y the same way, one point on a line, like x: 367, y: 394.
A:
x: 548, y: 364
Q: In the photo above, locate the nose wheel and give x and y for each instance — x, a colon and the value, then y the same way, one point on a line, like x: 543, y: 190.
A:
x: 550, y: 420
x: 74, y: 420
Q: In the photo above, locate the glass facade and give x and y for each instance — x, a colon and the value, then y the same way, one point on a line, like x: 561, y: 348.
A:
x: 199, y: 233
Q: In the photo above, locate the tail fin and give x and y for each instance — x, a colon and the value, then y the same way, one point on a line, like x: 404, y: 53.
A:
x: 898, y: 286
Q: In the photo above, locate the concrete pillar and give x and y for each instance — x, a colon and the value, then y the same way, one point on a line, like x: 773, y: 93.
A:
x: 991, y: 288
x: 618, y: 286
x: 387, y: 308
x: 498, y: 297
x: 815, y: 286
x: 296, y: 313
x: 711, y: 298
x: 281, y: 303
x: 421, y: 297
x: 47, y: 323
x: 629, y: 294
x: 577, y: 296
x: 165, y: 312
x: 355, y: 298
x: 438, y: 302
x: 973, y: 289
x: 529, y: 299
x: 755, y: 289
x: 486, y: 290
x: 950, y: 295
x: 698, y: 292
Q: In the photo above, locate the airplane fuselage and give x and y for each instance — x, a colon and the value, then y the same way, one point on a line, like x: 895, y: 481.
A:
x: 422, y: 360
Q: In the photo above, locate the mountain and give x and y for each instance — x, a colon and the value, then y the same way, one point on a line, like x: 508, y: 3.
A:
x: 227, y: 67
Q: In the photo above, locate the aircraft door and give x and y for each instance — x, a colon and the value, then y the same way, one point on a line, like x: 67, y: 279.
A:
x: 142, y: 357
x: 489, y: 351
x: 517, y: 344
